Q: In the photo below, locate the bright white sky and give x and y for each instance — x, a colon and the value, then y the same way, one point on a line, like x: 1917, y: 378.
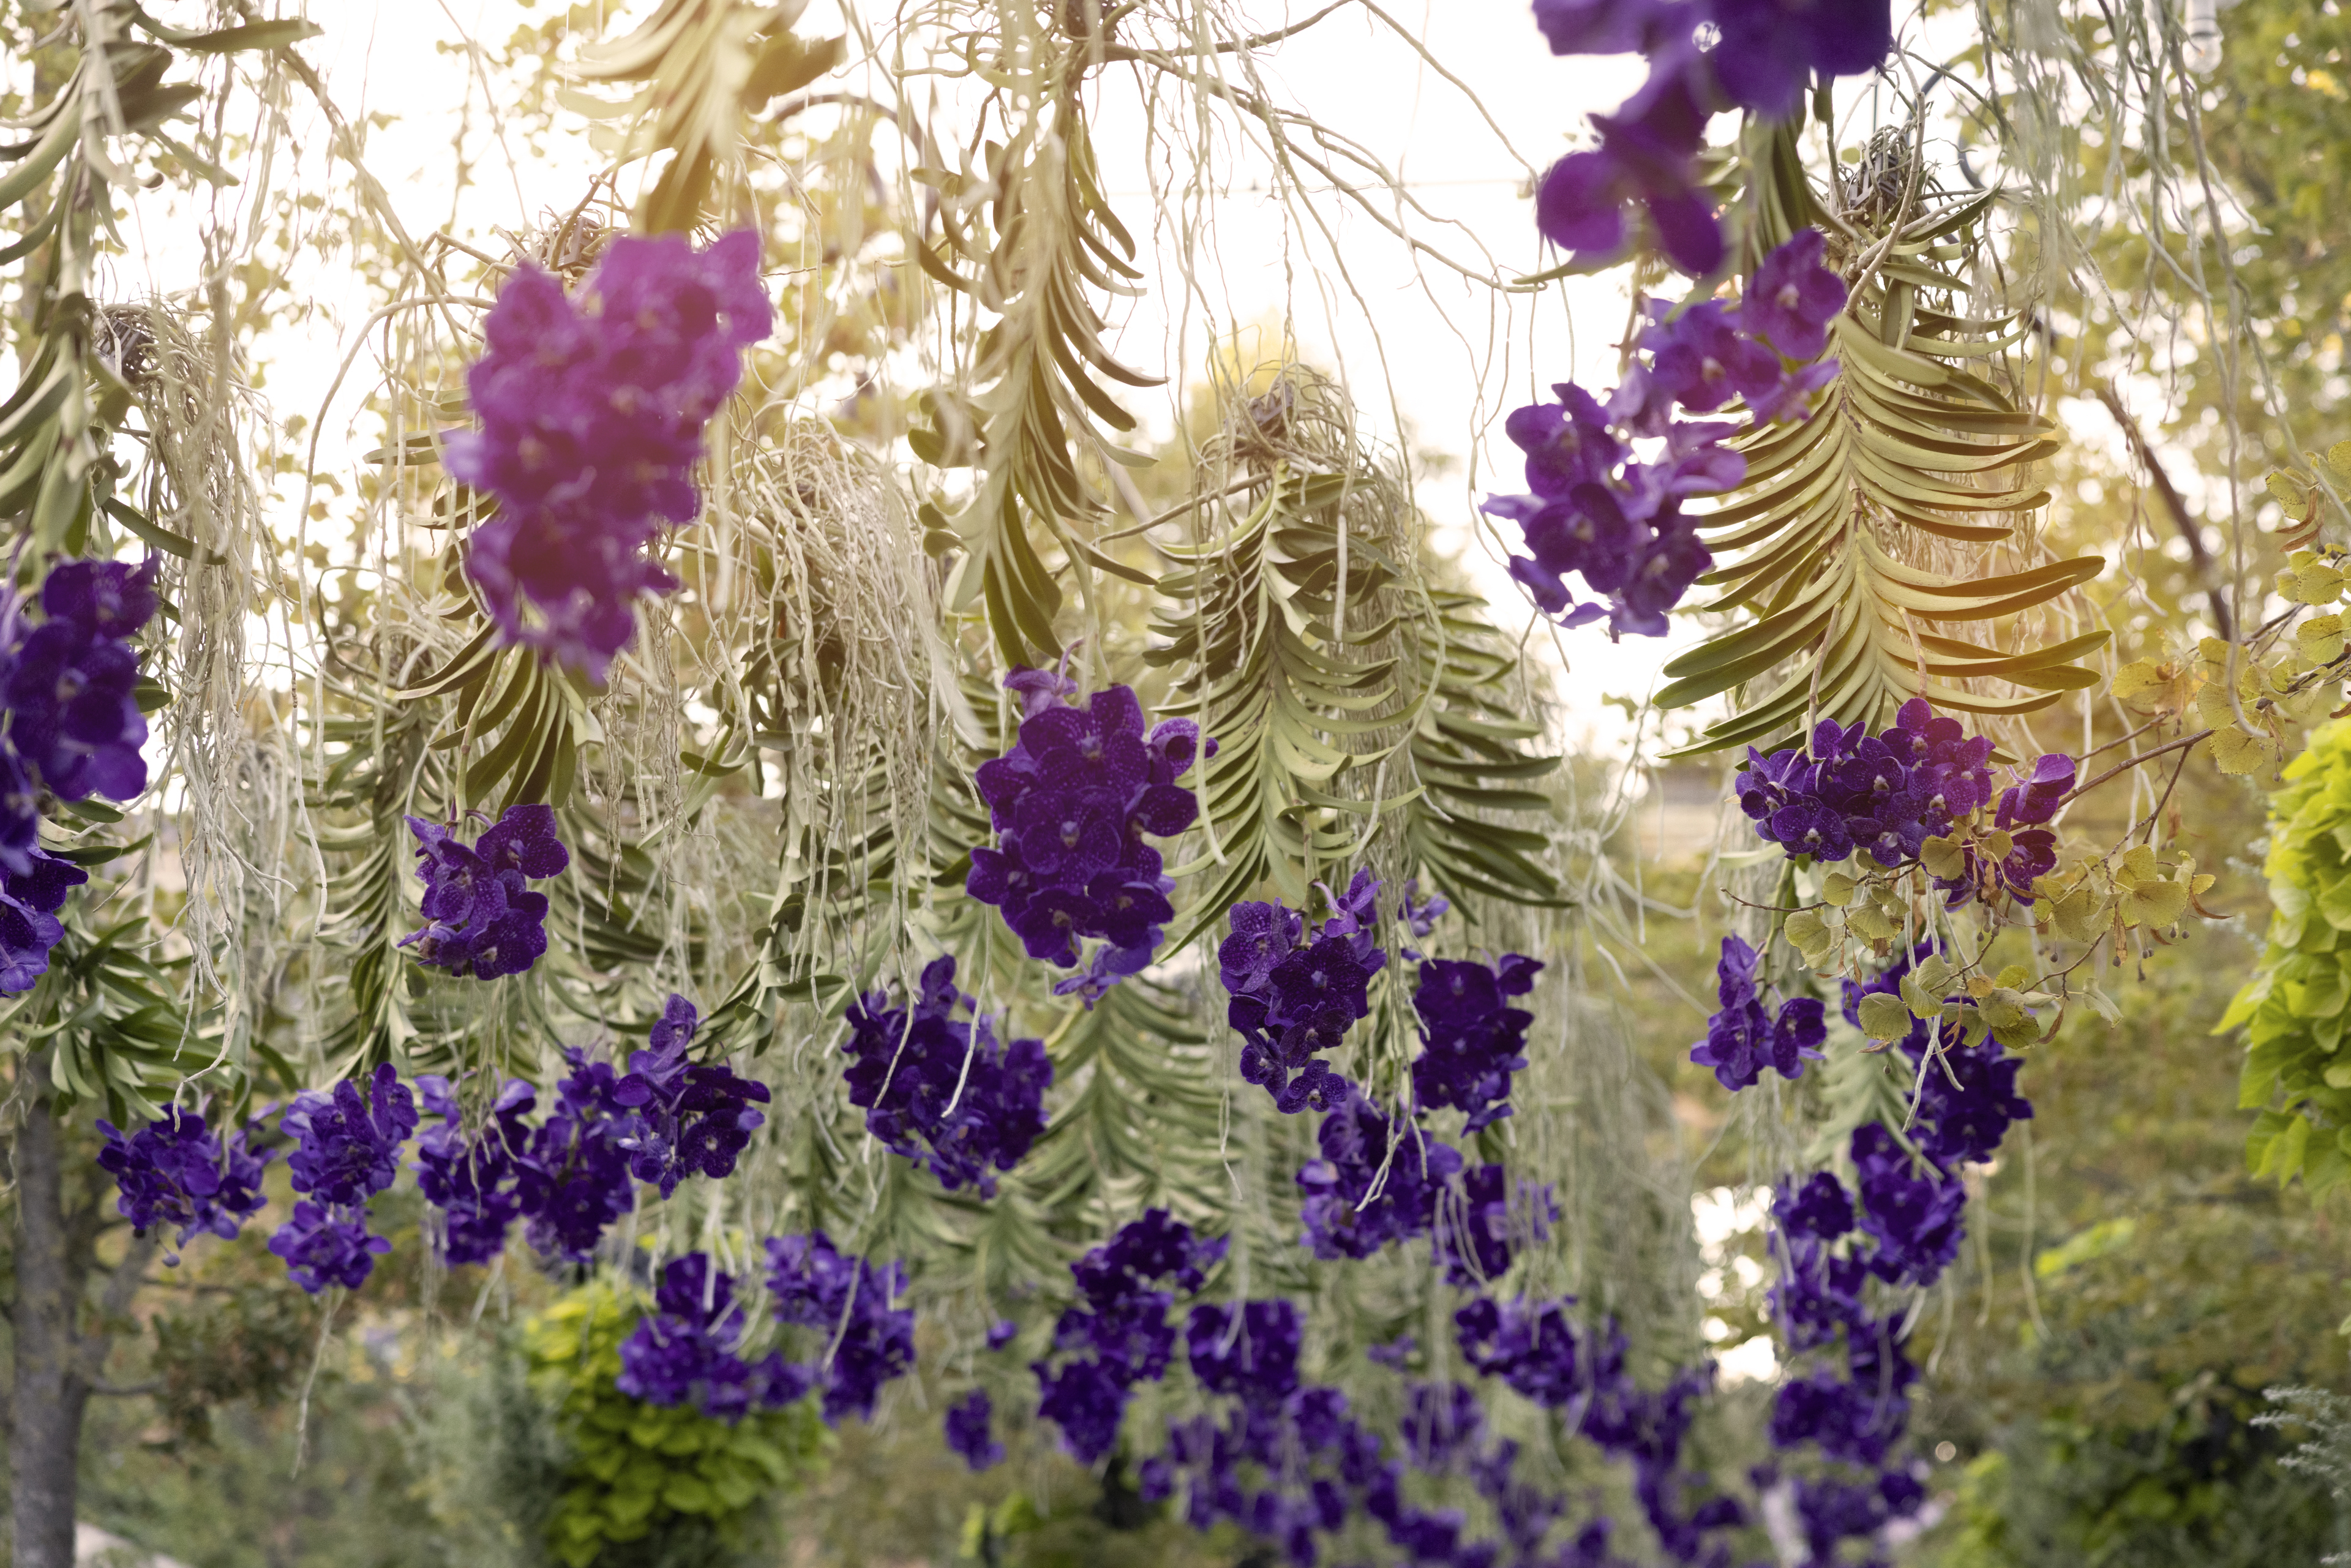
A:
x: 1420, y: 345
x: 1452, y: 357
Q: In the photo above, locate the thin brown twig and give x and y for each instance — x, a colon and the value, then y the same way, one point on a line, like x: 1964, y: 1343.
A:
x: 2119, y: 769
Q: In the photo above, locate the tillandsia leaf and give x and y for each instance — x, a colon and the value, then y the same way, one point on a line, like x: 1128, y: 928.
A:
x: 113, y: 1019
x: 1292, y: 705
x: 704, y: 64
x: 1033, y: 221
x: 515, y: 728
x: 1470, y: 751
x: 1909, y: 447
x: 57, y: 423
x: 1140, y: 1128
x: 380, y: 766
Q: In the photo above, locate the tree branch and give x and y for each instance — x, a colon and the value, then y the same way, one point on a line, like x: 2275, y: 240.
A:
x: 2206, y: 574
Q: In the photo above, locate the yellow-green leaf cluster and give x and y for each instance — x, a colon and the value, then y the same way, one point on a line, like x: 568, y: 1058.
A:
x: 2296, y: 1073
x: 636, y: 1467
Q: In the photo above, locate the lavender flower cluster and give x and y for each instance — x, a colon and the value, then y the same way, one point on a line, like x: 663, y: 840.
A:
x: 847, y: 1299
x: 591, y: 411
x: 1921, y: 778
x: 347, y: 1149
x: 1071, y: 802
x: 177, y: 1171
x: 685, y: 1349
x: 1594, y: 510
x: 942, y: 1091
x: 1117, y: 1333
x: 1765, y: 53
x: 72, y: 729
x: 1743, y: 1037
x: 1295, y: 996
x: 480, y: 916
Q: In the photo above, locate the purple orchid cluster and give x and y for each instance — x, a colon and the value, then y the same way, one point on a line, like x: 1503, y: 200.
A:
x: 1472, y: 1040
x: 478, y: 1185
x: 1295, y: 994
x: 1902, y: 1223
x: 1118, y: 1333
x: 481, y: 918
x: 689, y: 1118
x: 686, y: 1350
x: 347, y: 1143
x: 1071, y: 802
x: 1537, y: 1351
x: 73, y: 729
x: 970, y: 1430
x: 1765, y: 54
x: 1888, y: 793
x: 29, y: 927
x: 1597, y: 510
x: 1288, y: 1461
x: 177, y: 1171
x: 1743, y: 1036
x: 1922, y: 777
x: 942, y: 1091
x: 591, y: 411
x: 579, y: 1152
x: 847, y: 1299
x: 1380, y: 1180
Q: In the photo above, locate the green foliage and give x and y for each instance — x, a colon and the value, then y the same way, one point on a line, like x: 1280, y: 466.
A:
x: 252, y: 1341
x: 647, y: 1484
x: 2293, y: 1009
x: 2200, y: 1488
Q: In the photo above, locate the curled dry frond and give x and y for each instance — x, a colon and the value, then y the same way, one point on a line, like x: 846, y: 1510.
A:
x: 1345, y: 694
x: 1029, y: 218
x: 1864, y: 536
x: 703, y: 66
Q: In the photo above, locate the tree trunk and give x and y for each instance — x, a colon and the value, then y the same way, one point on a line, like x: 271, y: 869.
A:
x: 50, y: 1392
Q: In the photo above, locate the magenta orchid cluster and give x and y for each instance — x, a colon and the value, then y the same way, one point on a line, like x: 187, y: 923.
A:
x: 1071, y: 803
x: 347, y: 1143
x: 593, y: 408
x: 864, y: 1339
x: 1923, y: 777
x: 481, y: 918
x: 1118, y: 1333
x: 1743, y: 1036
x: 1295, y: 995
x: 684, y: 1351
x: 1595, y: 509
x: 1765, y: 54
x: 177, y: 1171
x: 942, y: 1091
x: 73, y: 729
